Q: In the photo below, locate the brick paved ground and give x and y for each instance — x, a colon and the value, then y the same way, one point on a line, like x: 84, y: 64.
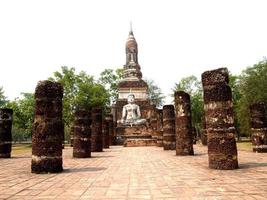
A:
x: 136, y: 173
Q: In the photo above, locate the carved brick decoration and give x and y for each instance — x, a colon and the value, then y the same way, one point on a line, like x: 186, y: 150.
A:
x: 48, y: 128
x: 5, y: 132
x: 168, y: 127
x: 97, y: 135
x: 258, y: 127
x: 184, y: 137
x: 219, y: 118
x: 82, y: 134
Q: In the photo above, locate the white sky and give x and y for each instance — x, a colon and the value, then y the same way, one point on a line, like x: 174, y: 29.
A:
x: 175, y: 38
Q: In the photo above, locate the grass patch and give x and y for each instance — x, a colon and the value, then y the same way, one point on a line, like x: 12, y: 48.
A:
x: 21, y: 148
x: 244, y: 146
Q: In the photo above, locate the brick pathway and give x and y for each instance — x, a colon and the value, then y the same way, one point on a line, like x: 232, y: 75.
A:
x: 136, y: 173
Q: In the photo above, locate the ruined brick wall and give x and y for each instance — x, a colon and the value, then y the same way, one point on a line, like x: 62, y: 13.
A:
x: 82, y: 133
x: 159, y: 117
x: 5, y: 132
x: 97, y: 135
x: 183, y: 122
x: 168, y: 127
x: 48, y: 128
x: 258, y: 127
x: 219, y: 118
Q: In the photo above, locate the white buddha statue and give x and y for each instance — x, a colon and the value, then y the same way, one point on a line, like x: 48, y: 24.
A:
x: 131, y: 113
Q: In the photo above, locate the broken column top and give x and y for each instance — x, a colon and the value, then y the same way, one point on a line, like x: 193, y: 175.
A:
x: 49, y: 89
x: 182, y: 95
x: 215, y: 77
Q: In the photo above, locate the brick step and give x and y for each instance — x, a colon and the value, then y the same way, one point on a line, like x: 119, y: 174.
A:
x: 139, y: 142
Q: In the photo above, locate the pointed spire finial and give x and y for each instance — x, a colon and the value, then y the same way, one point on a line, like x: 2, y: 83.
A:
x: 131, y: 28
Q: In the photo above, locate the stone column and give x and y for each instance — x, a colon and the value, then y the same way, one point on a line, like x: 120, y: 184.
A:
x: 258, y: 127
x: 105, y: 130
x: 219, y: 118
x: 82, y: 134
x: 168, y: 127
x: 48, y: 128
x: 71, y: 135
x: 204, y: 139
x: 109, y: 119
x: 159, y: 128
x: 97, y: 135
x: 5, y: 132
x: 184, y: 137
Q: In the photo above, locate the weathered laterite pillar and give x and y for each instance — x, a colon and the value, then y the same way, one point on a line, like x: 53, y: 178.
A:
x: 48, y: 128
x: 258, y: 127
x: 5, y: 132
x: 204, y: 137
x: 168, y: 127
x: 109, y: 119
x: 184, y: 137
x: 71, y: 135
x: 159, y: 128
x: 219, y: 117
x: 105, y: 130
x: 82, y: 134
x: 97, y: 135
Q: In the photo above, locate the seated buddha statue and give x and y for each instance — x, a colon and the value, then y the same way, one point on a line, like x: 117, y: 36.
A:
x: 131, y: 114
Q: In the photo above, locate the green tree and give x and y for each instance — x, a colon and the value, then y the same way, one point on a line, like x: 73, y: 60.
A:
x: 155, y: 93
x: 80, y: 89
x: 252, y: 86
x: 110, y: 79
x: 193, y: 87
x: 23, y: 113
x: 3, y: 100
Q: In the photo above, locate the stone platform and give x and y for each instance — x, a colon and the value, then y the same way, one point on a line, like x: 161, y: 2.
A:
x: 136, y: 173
x: 136, y: 136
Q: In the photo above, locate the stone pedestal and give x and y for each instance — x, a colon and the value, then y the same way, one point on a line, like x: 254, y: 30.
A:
x: 135, y: 136
x: 5, y: 132
x: 48, y: 128
x: 168, y: 127
x: 184, y: 136
x: 97, y: 135
x: 258, y: 127
x: 82, y: 134
x: 219, y: 116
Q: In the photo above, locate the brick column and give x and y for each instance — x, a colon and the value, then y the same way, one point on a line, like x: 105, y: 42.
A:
x: 109, y: 119
x: 204, y: 139
x: 219, y: 118
x: 184, y: 137
x: 48, y: 128
x: 105, y: 131
x: 168, y: 127
x: 82, y: 134
x: 97, y: 135
x: 5, y: 132
x: 258, y: 127
x: 159, y: 128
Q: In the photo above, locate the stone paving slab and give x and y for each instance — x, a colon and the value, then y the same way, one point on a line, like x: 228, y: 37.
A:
x: 136, y: 173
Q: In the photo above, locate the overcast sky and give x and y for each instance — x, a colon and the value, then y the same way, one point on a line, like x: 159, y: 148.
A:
x: 175, y: 38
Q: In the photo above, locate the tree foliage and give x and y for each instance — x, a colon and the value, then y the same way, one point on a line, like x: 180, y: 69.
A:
x: 23, y: 113
x: 110, y: 79
x: 252, y: 85
x: 3, y: 99
x: 155, y: 93
x: 80, y: 89
x: 193, y: 87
